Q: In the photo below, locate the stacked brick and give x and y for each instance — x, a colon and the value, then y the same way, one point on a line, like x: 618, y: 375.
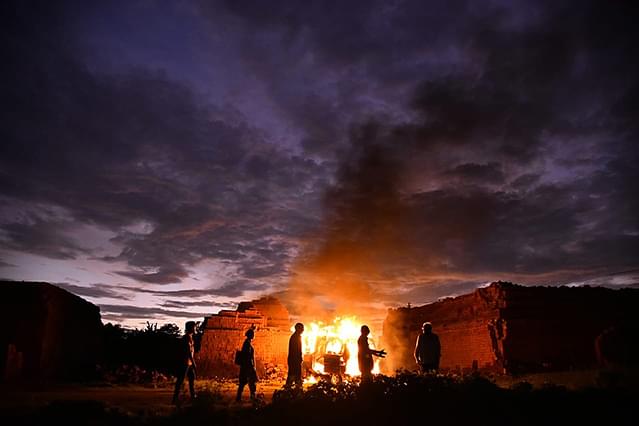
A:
x: 513, y: 328
x: 461, y: 323
x: 224, y: 334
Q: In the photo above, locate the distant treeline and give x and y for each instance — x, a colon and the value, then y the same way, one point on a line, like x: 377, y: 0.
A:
x: 151, y: 348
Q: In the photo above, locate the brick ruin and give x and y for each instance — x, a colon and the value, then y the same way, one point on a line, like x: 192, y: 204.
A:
x: 503, y: 327
x: 223, y: 334
x: 511, y: 328
x: 47, y: 333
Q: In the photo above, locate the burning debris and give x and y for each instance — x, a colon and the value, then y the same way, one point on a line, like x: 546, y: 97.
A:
x: 330, y: 350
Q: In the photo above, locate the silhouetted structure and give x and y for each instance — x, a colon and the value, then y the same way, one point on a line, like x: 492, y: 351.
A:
x: 515, y: 328
x: 47, y: 333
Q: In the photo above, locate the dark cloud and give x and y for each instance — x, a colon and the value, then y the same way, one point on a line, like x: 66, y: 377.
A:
x: 116, y: 150
x: 238, y: 288
x: 525, y: 181
x: 178, y: 304
x: 234, y: 288
x: 488, y: 173
x: 119, y: 312
x: 192, y: 293
x: 428, y: 292
x: 98, y: 291
x: 516, y: 106
x: 165, y: 275
x: 359, y: 32
x: 360, y: 148
x: 45, y: 238
x: 540, y: 232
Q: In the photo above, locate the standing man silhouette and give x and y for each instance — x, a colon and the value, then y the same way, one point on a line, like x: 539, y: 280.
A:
x: 187, y: 362
x: 365, y: 355
x: 427, y: 349
x: 247, y: 367
x: 295, y: 358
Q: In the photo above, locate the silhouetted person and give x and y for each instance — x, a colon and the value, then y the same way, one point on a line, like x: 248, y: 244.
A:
x: 187, y: 362
x: 365, y: 354
x: 427, y: 349
x: 345, y: 355
x: 247, y: 366
x: 295, y: 358
x: 617, y: 346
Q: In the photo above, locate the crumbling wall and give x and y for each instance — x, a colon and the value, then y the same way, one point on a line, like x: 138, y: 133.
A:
x: 271, y: 308
x: 462, y: 325
x: 224, y: 334
x: 556, y: 327
x: 47, y: 333
x: 513, y: 328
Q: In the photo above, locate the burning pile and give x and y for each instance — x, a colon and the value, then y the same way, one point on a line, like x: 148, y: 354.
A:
x: 331, y: 349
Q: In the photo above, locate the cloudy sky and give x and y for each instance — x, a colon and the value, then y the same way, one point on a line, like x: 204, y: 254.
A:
x: 165, y: 160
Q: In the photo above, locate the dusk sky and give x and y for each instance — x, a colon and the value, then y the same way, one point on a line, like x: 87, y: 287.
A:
x: 168, y: 159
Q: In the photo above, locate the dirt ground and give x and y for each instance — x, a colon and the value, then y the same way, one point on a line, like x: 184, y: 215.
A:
x: 570, y: 379
x: 133, y: 399
x: 143, y: 400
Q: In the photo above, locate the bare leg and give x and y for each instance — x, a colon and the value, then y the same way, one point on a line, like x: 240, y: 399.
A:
x: 252, y: 388
x: 240, y: 389
x: 191, y: 376
x: 178, y: 385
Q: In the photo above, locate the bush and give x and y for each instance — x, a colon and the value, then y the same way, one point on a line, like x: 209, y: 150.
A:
x: 439, y: 399
x: 133, y: 374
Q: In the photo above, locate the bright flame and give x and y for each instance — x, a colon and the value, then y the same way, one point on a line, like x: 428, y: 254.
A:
x: 338, y: 338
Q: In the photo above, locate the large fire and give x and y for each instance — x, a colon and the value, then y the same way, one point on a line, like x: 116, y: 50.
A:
x: 324, y: 345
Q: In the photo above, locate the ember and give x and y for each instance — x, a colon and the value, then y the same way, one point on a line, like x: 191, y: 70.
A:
x: 331, y: 349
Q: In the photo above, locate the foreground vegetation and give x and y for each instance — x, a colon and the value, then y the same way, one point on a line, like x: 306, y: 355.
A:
x: 402, y: 399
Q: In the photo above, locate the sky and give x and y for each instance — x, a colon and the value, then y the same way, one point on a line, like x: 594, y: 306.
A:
x: 168, y: 159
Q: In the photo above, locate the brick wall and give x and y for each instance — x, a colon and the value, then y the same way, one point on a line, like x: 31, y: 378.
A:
x: 48, y: 333
x: 463, y: 325
x: 224, y: 333
x: 511, y: 327
x: 463, y: 343
x: 556, y: 327
x: 218, y: 350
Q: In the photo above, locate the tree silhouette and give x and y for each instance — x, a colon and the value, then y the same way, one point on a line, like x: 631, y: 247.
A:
x: 151, y: 348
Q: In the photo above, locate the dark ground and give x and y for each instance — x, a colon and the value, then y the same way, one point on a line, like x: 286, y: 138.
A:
x: 583, y: 397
